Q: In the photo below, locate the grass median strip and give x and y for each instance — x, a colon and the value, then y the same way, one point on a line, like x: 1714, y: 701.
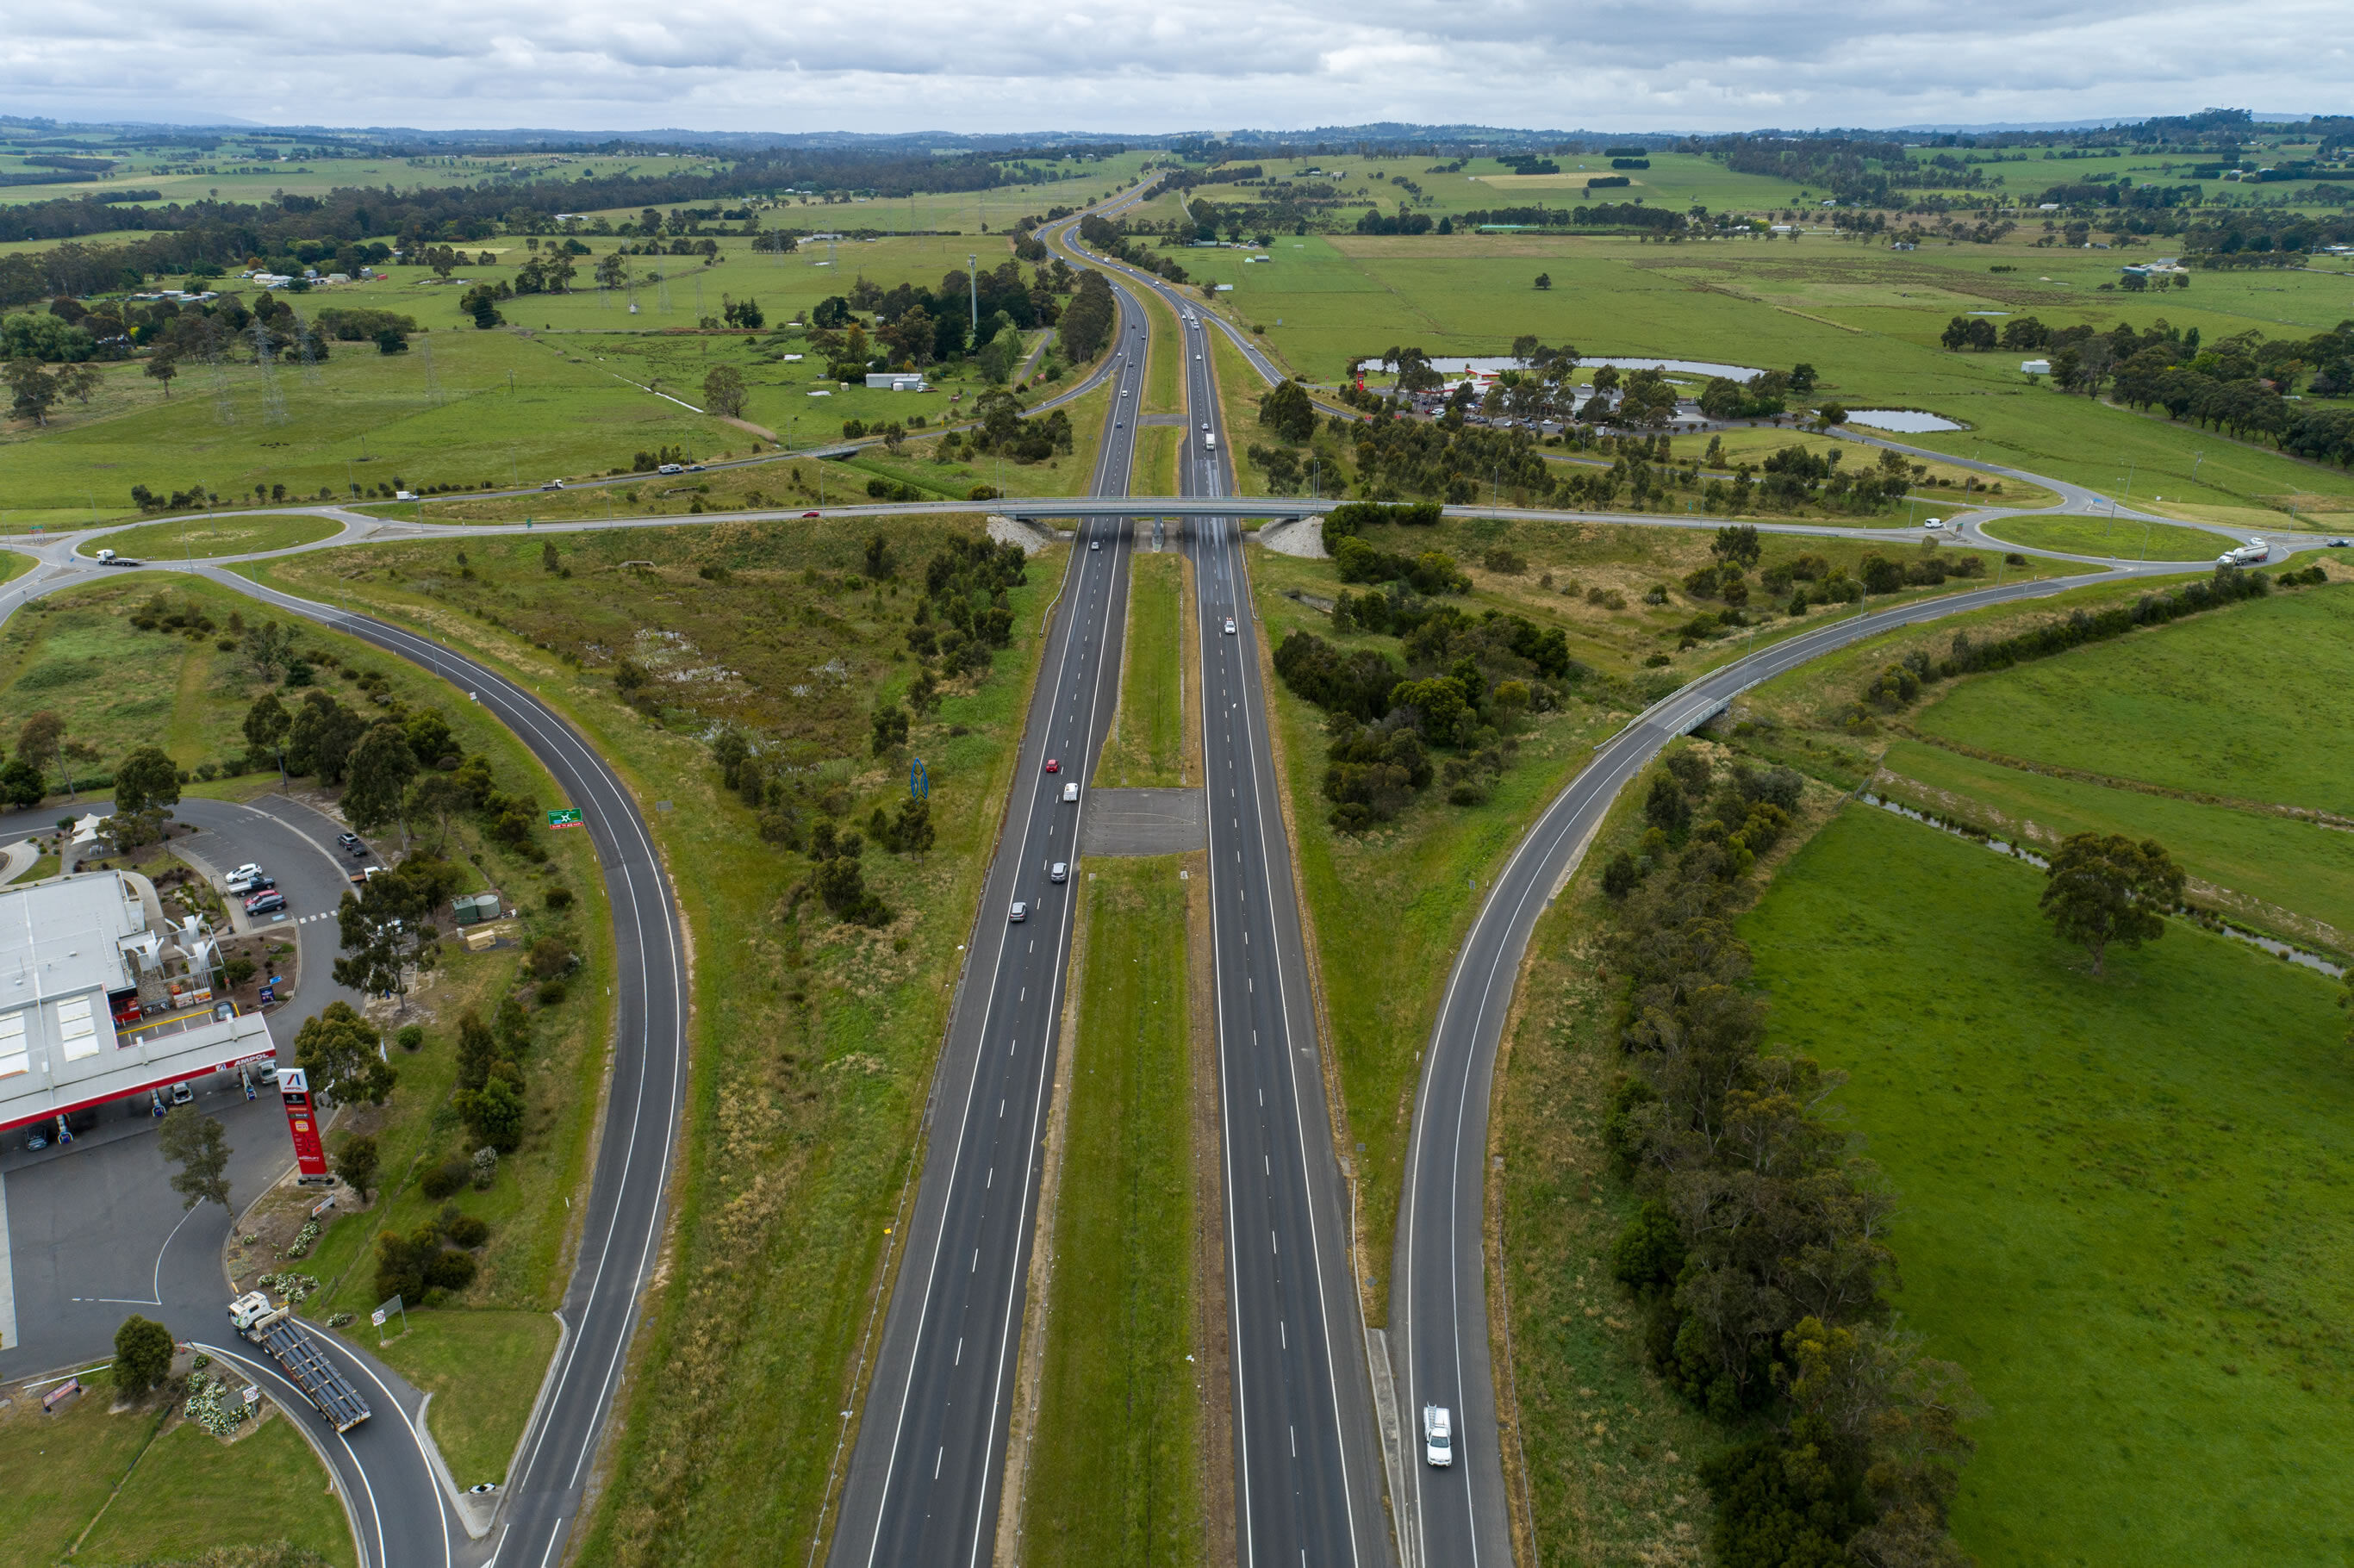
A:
x: 1145, y: 749
x: 1114, y: 1477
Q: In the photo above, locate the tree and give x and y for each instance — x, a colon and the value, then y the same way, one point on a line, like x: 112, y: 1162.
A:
x: 2105, y: 889
x: 381, y: 766
x: 266, y: 724
x: 197, y: 1145
x: 142, y: 1355
x: 38, y: 737
x: 320, y: 740
x: 356, y: 1164
x: 481, y: 304
x: 340, y: 1052
x: 723, y: 392
x: 34, y: 390
x: 269, y: 648
x: 1286, y: 411
x: 1544, y: 280
x: 146, y: 780
x: 436, y: 798
x: 22, y: 784
x: 879, y: 563
x: 890, y: 728
x: 387, y: 928
x: 161, y: 367
x: 550, y: 560
x: 1736, y: 544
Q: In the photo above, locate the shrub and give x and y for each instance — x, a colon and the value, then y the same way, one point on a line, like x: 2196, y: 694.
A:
x: 558, y: 898
x: 467, y: 1230
x: 411, y: 1037
x: 143, y: 1355
x: 551, y: 993
x: 484, y: 1168
x: 439, y: 1181
x: 451, y: 1270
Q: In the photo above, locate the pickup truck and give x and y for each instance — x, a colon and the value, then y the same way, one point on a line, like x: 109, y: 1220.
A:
x: 275, y: 1330
x: 1438, y: 1435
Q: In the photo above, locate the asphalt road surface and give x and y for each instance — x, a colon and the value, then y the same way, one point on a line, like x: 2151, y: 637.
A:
x: 926, y: 1471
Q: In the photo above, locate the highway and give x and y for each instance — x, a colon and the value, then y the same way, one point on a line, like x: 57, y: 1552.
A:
x: 926, y: 1469
x: 1307, y: 1467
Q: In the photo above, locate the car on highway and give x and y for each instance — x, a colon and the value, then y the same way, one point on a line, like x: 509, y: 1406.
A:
x: 268, y: 903
x: 1019, y: 912
x: 1230, y: 626
x: 2341, y: 543
x: 1070, y: 793
x: 1095, y: 544
x: 1062, y: 872
x: 672, y: 468
x: 1053, y: 765
x: 1438, y: 1435
x: 808, y: 514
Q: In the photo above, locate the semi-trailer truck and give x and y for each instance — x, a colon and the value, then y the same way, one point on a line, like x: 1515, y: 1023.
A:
x: 2254, y: 553
x: 276, y: 1330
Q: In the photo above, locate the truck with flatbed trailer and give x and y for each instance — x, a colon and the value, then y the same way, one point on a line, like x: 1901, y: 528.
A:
x: 278, y: 1331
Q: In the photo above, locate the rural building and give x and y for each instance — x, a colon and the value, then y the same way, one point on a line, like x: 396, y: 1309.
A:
x: 895, y: 381
x: 2035, y: 366
x: 102, y: 998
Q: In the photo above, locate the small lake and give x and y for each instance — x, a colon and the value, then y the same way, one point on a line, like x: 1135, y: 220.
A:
x: 1457, y: 366
x: 1908, y: 421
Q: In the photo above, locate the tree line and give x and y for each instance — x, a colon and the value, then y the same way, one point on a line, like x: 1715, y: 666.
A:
x: 1759, y: 1255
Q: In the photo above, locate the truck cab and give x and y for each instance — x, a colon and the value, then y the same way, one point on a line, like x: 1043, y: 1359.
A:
x: 1437, y: 1436
x: 248, y: 1310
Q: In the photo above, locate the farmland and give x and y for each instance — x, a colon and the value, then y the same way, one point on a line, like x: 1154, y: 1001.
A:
x: 2080, y: 1162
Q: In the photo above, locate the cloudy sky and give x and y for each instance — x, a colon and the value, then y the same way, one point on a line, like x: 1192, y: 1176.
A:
x: 1122, y: 65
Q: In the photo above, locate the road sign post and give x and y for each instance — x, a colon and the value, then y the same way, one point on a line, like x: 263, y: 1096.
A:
x: 566, y: 818
x: 382, y: 1313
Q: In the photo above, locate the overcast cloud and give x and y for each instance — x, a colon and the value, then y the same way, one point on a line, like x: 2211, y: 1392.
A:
x: 1038, y: 65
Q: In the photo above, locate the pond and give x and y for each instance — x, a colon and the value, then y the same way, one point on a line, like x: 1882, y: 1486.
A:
x: 1909, y: 422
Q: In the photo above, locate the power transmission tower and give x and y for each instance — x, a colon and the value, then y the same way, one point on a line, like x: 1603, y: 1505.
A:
x: 222, y: 410
x: 432, y: 382
x: 310, y: 342
x: 661, y: 295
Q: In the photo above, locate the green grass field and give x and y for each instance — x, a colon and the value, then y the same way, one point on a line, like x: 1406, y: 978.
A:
x: 201, y: 537
x: 2284, y: 862
x: 484, y: 1368
x: 1112, y: 1477
x: 14, y: 566
x: 2232, y: 704
x: 142, y: 1497
x: 813, y: 1040
x: 2124, y: 539
x: 2121, y: 1209
x: 190, y: 1492
x: 1868, y: 319
x: 1146, y: 747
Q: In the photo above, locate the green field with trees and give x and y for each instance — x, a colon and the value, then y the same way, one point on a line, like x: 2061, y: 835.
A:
x: 2116, y: 1205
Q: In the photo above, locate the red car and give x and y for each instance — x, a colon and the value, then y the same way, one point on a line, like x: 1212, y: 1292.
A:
x: 808, y: 514
x: 1052, y: 766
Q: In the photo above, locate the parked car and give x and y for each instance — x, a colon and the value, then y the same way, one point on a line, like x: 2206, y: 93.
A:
x: 182, y: 1095
x: 268, y: 903
x: 248, y: 879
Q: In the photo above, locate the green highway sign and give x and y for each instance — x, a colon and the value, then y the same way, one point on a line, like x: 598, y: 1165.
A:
x: 565, y: 818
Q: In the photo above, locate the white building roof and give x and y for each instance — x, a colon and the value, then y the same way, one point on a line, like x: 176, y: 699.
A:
x: 67, y: 947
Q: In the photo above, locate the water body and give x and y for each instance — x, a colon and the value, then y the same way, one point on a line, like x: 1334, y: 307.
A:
x: 1910, y: 421
x: 1456, y: 366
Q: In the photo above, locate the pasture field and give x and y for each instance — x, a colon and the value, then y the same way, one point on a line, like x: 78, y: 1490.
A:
x: 1114, y: 1468
x: 2121, y: 1206
x: 813, y: 1039
x: 2232, y: 702
x: 2284, y: 870
x: 1868, y: 319
x: 2122, y: 539
x: 200, y: 538
x: 176, y: 1502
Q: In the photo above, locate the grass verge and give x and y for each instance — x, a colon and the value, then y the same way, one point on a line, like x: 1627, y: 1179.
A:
x: 1144, y: 751
x: 2126, y: 540
x: 1114, y: 1475
x: 484, y: 1370
x: 200, y: 537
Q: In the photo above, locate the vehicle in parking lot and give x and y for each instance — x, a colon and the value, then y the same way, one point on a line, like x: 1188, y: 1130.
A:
x: 1019, y: 912
x: 182, y: 1095
x: 1070, y: 792
x: 248, y: 879
x: 1062, y: 872
x: 268, y: 903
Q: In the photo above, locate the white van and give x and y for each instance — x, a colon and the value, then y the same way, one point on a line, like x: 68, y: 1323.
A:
x: 1437, y: 1436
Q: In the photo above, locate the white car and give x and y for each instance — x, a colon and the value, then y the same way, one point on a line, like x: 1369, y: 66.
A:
x: 246, y: 878
x: 1070, y: 793
x: 1019, y: 912
x: 1095, y: 544
x: 1061, y: 873
x: 1437, y: 1436
x: 1935, y: 523
x: 1230, y: 626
